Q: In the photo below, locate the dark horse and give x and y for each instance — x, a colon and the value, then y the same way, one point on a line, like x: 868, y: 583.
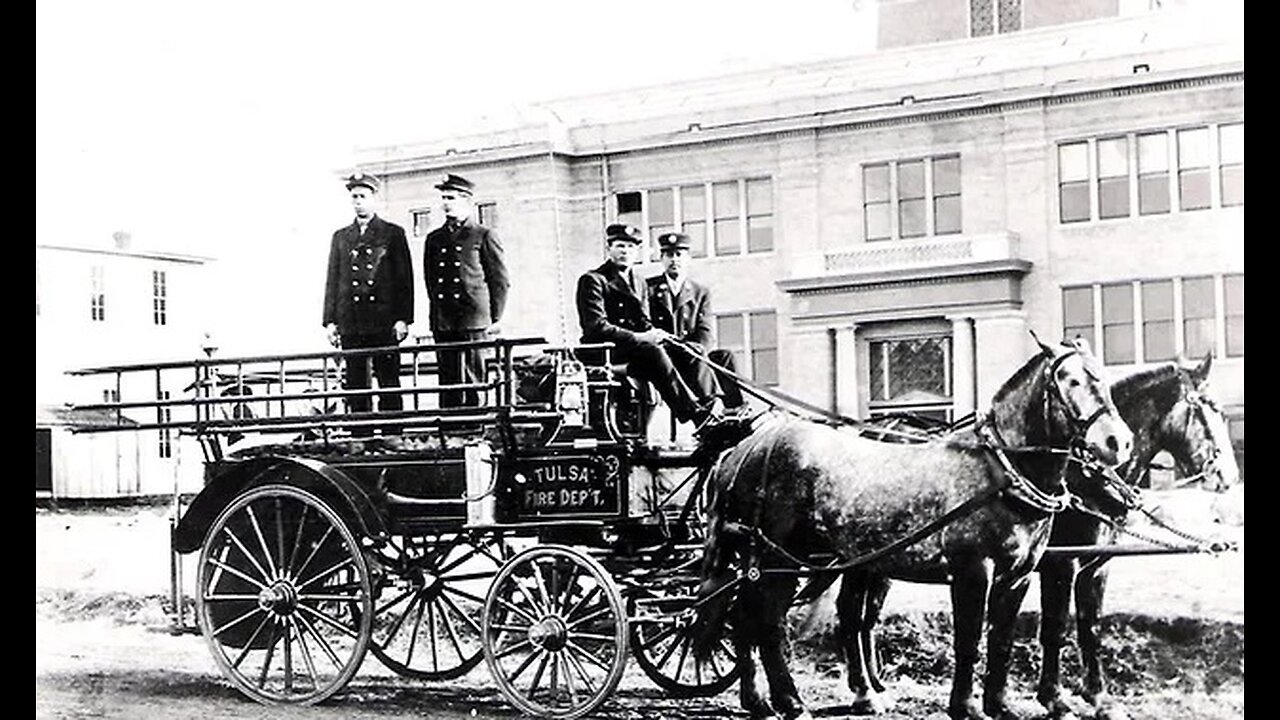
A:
x: 1168, y: 411
x: 803, y: 488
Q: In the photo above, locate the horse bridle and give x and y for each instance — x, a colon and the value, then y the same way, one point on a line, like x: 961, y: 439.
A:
x: 1079, y: 427
x: 1199, y: 405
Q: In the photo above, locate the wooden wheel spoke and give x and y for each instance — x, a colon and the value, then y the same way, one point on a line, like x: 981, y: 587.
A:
x: 683, y: 644
x: 466, y: 595
x: 582, y: 672
x: 653, y: 641
x: 232, y: 623
x: 541, y: 586
x: 332, y: 569
x: 554, y: 681
x: 562, y: 663
x: 288, y: 659
x: 537, y: 675
x: 287, y: 570
x: 584, y: 601
x: 330, y: 621
x: 329, y: 598
x: 328, y: 530
x: 526, y: 663
x: 229, y: 598
x: 266, y: 663
x: 512, y: 607
x: 228, y: 568
x: 453, y: 633
x: 510, y: 628
x: 324, y: 644
x: 262, y: 543
x: 417, y: 625
x: 399, y: 623
x: 252, y: 560
x: 592, y: 636
x: 279, y: 537
x: 394, y: 602
x: 454, y: 607
x: 249, y: 645
x: 568, y: 588
x: 510, y: 649
x: 306, y: 653
x: 467, y: 576
x: 471, y: 552
x: 589, y: 617
x: 575, y: 647
x: 670, y: 651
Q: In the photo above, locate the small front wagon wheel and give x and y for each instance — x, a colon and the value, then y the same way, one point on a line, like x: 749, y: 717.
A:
x: 283, y: 596
x: 555, y: 632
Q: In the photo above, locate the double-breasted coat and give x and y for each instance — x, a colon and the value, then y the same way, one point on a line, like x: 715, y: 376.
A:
x: 370, y: 280
x: 613, y: 307
x: 466, y: 277
x: 687, y: 315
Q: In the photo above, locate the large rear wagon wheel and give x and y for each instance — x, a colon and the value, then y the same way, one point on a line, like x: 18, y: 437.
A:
x: 283, y: 596
x: 427, y: 620
x: 555, y: 632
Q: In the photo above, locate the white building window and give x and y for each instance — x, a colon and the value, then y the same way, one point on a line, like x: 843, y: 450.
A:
x: 910, y: 375
x: 752, y: 337
x: 722, y: 218
x: 1151, y: 321
x: 159, y: 297
x: 911, y: 198
x: 1104, y: 170
x: 487, y: 214
x: 97, y: 294
x: 989, y: 16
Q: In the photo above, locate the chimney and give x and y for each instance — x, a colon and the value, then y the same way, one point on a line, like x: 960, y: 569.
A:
x: 122, y: 239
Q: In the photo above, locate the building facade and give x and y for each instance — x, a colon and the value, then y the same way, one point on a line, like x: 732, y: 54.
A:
x: 100, y: 306
x: 883, y: 232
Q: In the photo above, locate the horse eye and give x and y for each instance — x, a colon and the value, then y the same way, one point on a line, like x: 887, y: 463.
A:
x: 1074, y: 383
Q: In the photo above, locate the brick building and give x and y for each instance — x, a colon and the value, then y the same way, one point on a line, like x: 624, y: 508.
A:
x: 881, y: 231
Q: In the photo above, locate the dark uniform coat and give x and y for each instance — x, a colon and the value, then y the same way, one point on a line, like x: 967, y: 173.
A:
x: 686, y: 316
x: 613, y: 307
x: 466, y: 277
x: 370, y: 280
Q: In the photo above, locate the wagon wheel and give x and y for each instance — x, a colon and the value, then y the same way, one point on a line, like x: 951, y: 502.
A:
x: 662, y: 643
x: 428, y: 626
x: 283, y: 596
x: 555, y: 635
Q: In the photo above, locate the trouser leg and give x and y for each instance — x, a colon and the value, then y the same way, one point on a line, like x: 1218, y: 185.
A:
x: 697, y: 375
x: 651, y: 363
x: 460, y: 366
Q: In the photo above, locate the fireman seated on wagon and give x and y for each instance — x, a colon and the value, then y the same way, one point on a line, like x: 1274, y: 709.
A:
x: 613, y: 307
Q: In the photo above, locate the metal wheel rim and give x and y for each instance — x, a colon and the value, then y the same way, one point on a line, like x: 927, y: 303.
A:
x: 307, y: 653
x: 451, y: 606
x: 510, y: 639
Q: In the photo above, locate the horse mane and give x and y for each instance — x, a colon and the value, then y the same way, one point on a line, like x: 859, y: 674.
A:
x: 1162, y: 386
x: 1019, y: 377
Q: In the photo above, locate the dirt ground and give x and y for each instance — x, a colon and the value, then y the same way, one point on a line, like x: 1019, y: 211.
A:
x: 1173, y: 643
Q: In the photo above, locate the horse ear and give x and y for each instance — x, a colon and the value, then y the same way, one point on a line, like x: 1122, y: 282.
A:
x: 1081, y: 344
x: 1201, y: 372
x: 1047, y: 350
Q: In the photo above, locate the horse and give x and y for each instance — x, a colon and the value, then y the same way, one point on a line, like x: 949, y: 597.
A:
x: 794, y: 488
x: 1168, y: 410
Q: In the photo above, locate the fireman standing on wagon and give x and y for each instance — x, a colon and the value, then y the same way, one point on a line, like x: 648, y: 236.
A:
x: 368, y: 296
x: 466, y: 276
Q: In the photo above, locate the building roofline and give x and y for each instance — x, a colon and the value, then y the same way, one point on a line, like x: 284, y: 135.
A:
x: 142, y: 254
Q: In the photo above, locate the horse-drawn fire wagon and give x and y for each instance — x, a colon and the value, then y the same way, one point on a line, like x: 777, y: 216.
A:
x: 551, y: 534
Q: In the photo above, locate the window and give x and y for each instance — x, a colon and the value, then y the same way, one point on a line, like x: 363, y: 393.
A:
x: 1117, y: 323
x: 987, y: 17
x: 159, y: 298
x: 1112, y: 174
x: 165, y: 415
x: 1153, y: 173
x: 1157, y: 321
x: 753, y: 339
x: 876, y: 205
x: 1198, y: 313
x: 97, y: 294
x: 724, y: 199
x: 759, y: 215
x: 1073, y: 182
x: 903, y: 188
x: 1231, y: 158
x: 1193, y: 169
x: 1077, y: 315
x: 946, y: 195
x: 912, y: 374
x: 630, y: 209
x: 739, y: 219
x: 693, y: 218
x: 487, y: 214
x: 421, y: 222
x: 1113, y: 177
x: 110, y: 395
x: 1233, y: 309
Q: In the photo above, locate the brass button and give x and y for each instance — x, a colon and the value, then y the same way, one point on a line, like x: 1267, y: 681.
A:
x: 355, y: 299
x: 355, y: 283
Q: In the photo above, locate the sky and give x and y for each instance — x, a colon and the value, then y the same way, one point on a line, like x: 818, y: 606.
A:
x: 218, y: 129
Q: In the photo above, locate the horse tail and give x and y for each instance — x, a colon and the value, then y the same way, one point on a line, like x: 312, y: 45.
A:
x: 714, y: 599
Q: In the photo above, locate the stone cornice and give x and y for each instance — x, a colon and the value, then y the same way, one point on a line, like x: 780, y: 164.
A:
x: 912, y: 277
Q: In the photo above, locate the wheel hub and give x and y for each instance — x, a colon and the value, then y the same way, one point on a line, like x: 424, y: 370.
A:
x: 281, y: 598
x: 549, y: 634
